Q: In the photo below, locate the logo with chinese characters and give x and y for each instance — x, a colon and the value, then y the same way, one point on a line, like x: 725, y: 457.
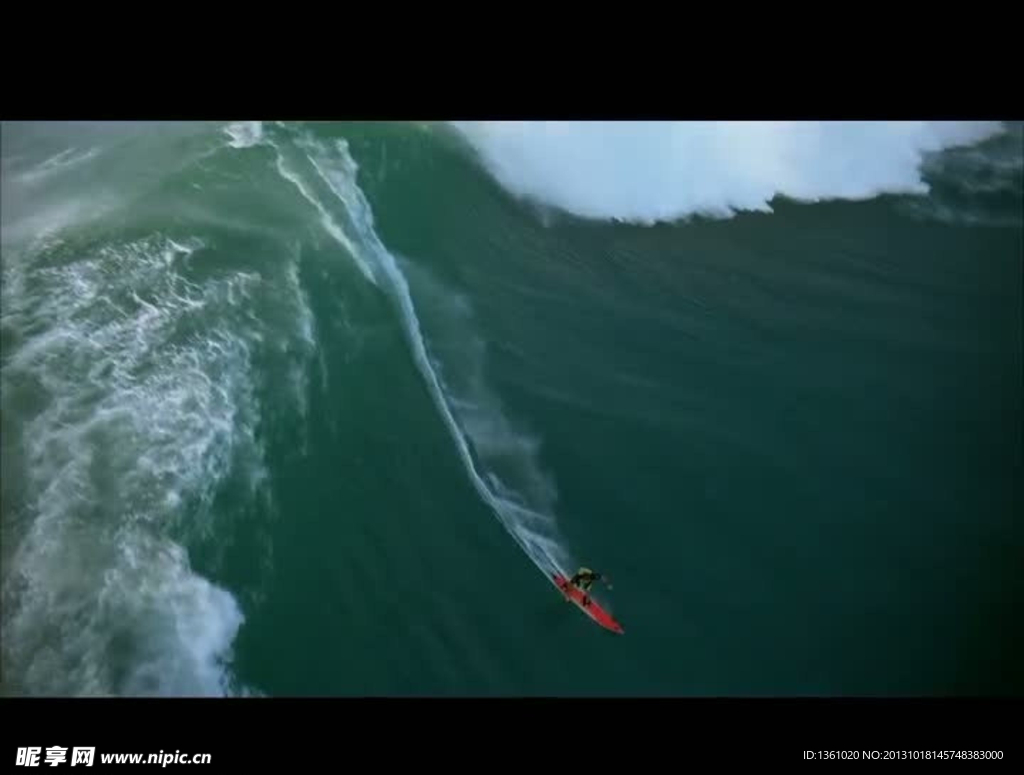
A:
x: 33, y: 757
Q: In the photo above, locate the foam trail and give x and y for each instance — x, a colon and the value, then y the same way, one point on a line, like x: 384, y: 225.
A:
x: 646, y: 172
x: 330, y: 226
x: 531, y: 529
x: 58, y: 163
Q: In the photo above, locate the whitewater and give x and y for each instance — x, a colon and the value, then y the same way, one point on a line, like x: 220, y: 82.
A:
x: 648, y: 172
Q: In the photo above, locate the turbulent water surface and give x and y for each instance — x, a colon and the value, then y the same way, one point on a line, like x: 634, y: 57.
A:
x: 296, y: 409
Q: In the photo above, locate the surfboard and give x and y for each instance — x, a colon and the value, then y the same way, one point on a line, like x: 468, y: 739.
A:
x: 592, y: 609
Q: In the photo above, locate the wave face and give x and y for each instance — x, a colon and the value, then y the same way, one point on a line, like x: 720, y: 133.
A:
x: 647, y: 172
x: 499, y: 459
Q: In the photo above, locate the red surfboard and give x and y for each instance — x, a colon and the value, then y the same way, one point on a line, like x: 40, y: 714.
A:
x: 592, y: 609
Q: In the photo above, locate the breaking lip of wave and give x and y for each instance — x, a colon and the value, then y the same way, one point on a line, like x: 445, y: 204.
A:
x: 646, y: 172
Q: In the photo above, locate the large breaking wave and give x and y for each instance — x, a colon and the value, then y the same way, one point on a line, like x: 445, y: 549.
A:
x: 646, y: 172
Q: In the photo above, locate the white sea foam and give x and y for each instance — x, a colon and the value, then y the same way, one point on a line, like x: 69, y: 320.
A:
x: 128, y: 398
x: 245, y: 134
x: 659, y: 171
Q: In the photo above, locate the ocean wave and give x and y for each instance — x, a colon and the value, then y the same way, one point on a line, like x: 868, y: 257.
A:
x: 646, y: 172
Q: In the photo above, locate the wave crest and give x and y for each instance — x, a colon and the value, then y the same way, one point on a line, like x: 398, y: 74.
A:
x: 646, y: 172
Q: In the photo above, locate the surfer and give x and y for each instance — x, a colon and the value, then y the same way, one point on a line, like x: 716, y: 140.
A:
x: 584, y: 579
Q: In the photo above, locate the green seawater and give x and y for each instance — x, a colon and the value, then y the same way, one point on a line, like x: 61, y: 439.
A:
x: 315, y: 410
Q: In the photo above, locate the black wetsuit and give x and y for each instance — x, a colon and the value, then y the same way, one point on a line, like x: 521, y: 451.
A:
x: 584, y: 578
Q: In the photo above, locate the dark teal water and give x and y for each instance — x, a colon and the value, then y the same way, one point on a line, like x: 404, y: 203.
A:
x: 301, y: 418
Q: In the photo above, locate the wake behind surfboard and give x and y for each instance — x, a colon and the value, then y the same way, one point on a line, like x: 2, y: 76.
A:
x: 592, y: 609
